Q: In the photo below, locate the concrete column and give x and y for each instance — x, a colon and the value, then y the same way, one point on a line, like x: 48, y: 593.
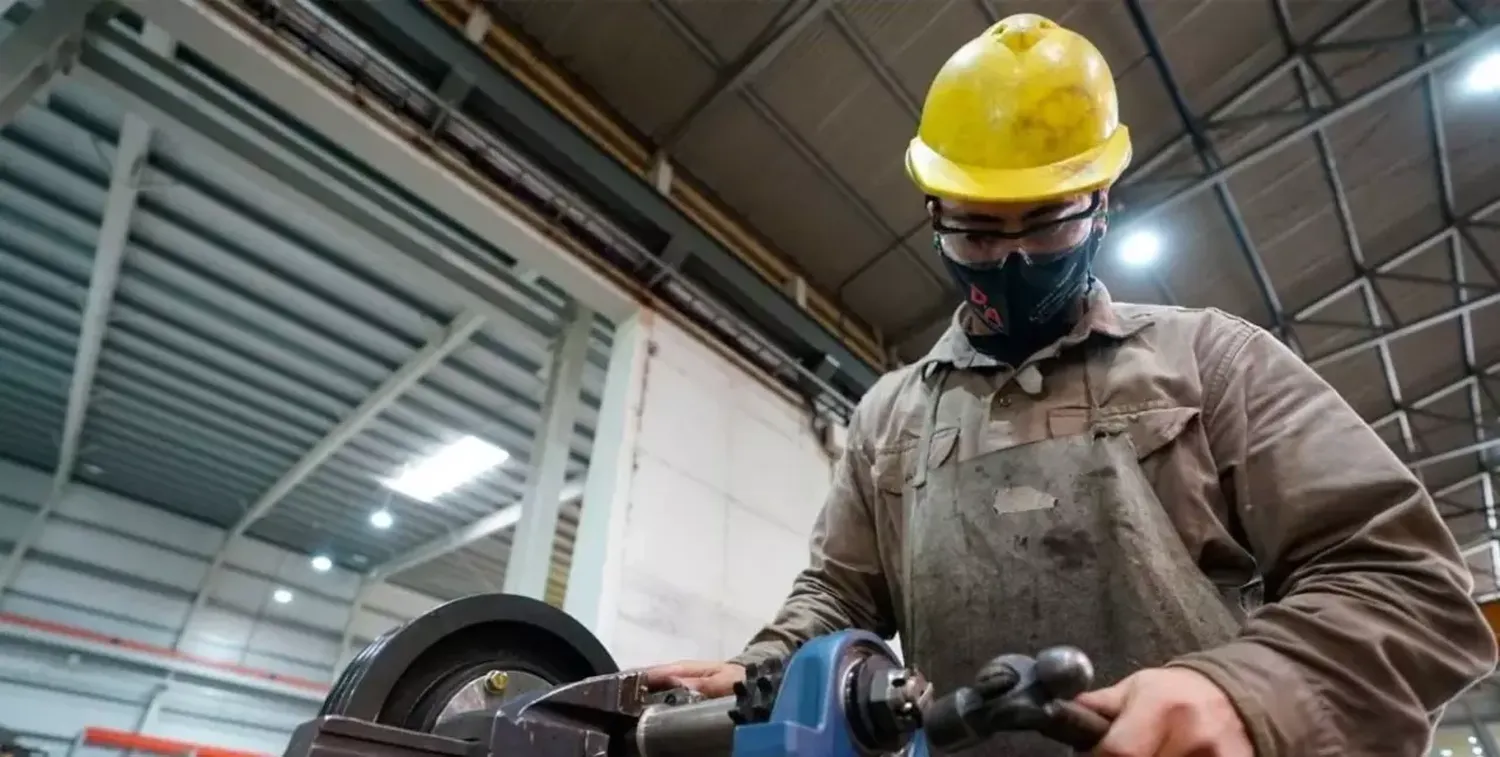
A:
x: 605, y: 494
x: 530, y: 559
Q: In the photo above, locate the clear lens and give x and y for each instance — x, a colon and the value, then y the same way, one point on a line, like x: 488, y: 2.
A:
x: 980, y: 249
x: 980, y: 241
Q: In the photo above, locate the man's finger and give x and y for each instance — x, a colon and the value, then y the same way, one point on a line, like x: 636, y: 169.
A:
x: 666, y: 675
x: 1137, y: 732
x: 1107, y: 702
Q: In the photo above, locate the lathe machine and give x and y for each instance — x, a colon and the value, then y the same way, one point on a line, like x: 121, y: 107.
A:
x: 506, y: 676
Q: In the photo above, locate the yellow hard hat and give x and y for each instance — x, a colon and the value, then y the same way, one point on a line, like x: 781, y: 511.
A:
x: 1024, y: 112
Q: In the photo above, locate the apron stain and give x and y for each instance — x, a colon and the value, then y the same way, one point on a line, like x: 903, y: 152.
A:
x: 1070, y: 547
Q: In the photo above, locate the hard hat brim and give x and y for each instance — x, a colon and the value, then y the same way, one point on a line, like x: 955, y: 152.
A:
x: 937, y: 176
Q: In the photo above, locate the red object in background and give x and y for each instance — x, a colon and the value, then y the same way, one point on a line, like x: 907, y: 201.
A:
x: 109, y: 738
x: 136, y: 646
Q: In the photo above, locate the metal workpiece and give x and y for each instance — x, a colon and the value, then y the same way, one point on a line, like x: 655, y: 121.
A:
x: 580, y: 718
x: 886, y: 703
x: 685, y: 730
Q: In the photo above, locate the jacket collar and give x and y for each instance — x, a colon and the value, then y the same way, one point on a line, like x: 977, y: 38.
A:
x: 1100, y: 317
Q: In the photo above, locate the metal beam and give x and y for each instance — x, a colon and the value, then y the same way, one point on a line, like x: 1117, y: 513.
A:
x: 816, y: 161
x: 228, y: 132
x: 1435, y: 395
x: 439, y: 347
x: 131, y: 153
x: 1303, y: 79
x: 888, y: 78
x: 773, y: 41
x: 201, y: 25
x: 1345, y: 109
x: 1454, y: 454
x: 529, y: 124
x: 1447, y: 204
x: 447, y: 544
x: 456, y: 85
x: 1221, y: 112
x: 1209, y: 158
x: 39, y: 47
x: 530, y: 560
x: 1395, y: 261
x: 1387, y: 337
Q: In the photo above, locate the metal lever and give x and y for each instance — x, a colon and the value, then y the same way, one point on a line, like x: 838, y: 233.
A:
x: 1018, y: 693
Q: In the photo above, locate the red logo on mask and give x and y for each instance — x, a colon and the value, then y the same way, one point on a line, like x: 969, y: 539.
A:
x: 981, y: 304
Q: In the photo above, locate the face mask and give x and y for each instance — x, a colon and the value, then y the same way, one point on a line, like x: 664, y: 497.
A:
x: 1025, y: 301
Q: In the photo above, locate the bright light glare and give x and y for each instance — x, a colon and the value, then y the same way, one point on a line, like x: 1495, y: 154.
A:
x: 282, y: 596
x: 322, y: 563
x: 381, y: 519
x: 1484, y: 77
x: 448, y: 468
x: 1140, y: 248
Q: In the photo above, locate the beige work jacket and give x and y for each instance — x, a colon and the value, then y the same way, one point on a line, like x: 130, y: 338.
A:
x: 1368, y: 627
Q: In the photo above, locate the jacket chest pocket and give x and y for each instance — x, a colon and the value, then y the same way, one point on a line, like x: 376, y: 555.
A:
x: 1150, y: 431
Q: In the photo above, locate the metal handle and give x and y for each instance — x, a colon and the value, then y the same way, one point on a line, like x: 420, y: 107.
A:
x: 1075, y: 725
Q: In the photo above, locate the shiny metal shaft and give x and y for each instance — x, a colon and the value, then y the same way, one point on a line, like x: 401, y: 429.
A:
x: 701, y: 729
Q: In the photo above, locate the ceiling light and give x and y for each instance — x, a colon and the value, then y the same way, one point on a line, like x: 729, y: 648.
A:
x: 322, y: 563
x: 448, y: 468
x: 282, y: 596
x: 1140, y: 248
x: 381, y: 519
x: 1484, y: 76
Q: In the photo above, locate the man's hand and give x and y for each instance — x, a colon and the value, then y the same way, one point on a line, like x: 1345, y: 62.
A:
x: 711, y: 679
x: 1168, y: 712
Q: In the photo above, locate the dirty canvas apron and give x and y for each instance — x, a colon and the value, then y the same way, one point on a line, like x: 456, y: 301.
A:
x: 1059, y: 541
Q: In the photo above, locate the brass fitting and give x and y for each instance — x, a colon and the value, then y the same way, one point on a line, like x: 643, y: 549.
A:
x: 496, y: 682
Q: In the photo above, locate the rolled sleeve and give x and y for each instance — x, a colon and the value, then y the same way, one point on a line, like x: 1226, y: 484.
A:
x: 1368, y: 628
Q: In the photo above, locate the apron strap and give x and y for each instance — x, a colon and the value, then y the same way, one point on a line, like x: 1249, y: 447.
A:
x: 929, y: 428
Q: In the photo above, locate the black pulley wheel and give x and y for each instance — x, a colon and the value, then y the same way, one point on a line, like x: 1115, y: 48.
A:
x: 406, y: 677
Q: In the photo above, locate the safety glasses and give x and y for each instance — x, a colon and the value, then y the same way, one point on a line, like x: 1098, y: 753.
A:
x: 983, y: 241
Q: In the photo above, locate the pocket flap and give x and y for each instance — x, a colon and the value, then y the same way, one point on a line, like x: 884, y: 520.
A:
x: 894, y: 468
x: 1151, y: 430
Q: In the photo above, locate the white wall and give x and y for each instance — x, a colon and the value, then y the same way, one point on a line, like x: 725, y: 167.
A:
x: 722, y: 480
x: 112, y: 566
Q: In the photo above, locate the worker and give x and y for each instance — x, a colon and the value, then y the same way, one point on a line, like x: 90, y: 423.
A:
x: 1169, y: 489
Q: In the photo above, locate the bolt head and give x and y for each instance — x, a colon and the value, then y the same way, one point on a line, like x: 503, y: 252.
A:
x: 496, y: 682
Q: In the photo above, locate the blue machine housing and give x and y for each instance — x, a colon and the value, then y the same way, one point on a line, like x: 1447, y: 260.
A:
x: 808, y: 718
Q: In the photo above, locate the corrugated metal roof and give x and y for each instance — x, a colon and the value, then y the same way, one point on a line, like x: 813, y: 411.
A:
x: 244, y: 329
